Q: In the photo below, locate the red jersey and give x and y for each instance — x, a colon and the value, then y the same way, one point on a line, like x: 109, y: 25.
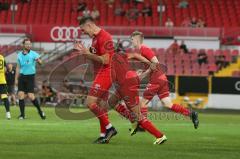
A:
x: 149, y: 54
x: 102, y: 44
x: 120, y: 68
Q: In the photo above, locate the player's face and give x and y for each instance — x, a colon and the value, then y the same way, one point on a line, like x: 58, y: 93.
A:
x: 134, y: 40
x: 86, y: 29
x: 27, y: 45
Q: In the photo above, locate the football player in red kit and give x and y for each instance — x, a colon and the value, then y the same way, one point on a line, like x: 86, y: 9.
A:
x: 100, y: 53
x: 127, y: 83
x: 158, y: 83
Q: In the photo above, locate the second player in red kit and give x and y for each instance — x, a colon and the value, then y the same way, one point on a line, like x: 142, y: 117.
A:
x: 158, y: 83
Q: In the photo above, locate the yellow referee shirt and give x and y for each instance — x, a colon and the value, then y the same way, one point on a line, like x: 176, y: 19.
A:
x: 2, y: 70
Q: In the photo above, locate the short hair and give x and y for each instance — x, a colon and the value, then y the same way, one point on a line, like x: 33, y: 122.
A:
x: 86, y: 19
x: 26, y: 39
x: 138, y: 33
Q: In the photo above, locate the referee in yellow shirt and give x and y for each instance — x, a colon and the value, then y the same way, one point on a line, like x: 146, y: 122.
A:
x: 3, y: 87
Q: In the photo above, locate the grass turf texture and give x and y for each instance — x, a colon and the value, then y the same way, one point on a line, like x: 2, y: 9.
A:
x: 33, y: 138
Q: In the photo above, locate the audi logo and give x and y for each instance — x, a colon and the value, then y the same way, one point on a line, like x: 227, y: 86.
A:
x: 65, y: 33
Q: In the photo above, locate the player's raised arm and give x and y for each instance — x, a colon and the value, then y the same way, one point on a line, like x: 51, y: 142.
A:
x: 103, y: 59
x: 138, y: 57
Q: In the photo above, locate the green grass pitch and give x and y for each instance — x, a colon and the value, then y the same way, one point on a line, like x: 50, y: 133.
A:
x: 217, y: 137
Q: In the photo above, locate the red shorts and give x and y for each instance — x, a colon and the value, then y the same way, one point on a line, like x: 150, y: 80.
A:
x: 157, y: 87
x: 129, y: 90
x: 102, y: 83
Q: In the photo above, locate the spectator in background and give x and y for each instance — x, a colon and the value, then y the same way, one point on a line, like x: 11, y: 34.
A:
x: 202, y: 57
x: 133, y: 13
x: 86, y: 12
x: 10, y: 79
x: 221, y: 62
x: 147, y: 10
x: 183, y: 4
x: 169, y: 23
x: 119, y: 11
x: 4, y: 6
x: 81, y: 6
x: 25, y: 1
x: 173, y: 48
x: 183, y: 47
x: 194, y: 22
x: 110, y: 3
x: 65, y: 91
x: 125, y: 1
x: 83, y: 91
x: 95, y: 13
x: 201, y: 23
x: 138, y: 1
x: 186, y: 22
x: 47, y: 93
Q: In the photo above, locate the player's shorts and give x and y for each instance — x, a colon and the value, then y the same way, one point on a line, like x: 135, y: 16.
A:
x: 128, y: 91
x: 26, y: 83
x: 3, y: 89
x: 11, y: 89
x: 101, y: 85
x: 157, y: 87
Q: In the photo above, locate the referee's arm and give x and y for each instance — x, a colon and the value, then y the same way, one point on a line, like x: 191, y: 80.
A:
x: 39, y: 61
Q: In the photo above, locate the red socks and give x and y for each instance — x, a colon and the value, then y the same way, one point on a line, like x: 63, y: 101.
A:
x: 101, y: 114
x: 121, y: 109
x: 147, y: 125
x: 180, y: 109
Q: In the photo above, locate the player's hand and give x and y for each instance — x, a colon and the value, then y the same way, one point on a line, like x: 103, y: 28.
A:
x: 153, y: 66
x: 80, y: 47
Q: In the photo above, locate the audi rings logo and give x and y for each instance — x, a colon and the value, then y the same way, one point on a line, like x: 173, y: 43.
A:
x: 65, y: 33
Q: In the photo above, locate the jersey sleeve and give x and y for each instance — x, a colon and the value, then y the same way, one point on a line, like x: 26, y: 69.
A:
x: 36, y: 56
x: 147, y: 53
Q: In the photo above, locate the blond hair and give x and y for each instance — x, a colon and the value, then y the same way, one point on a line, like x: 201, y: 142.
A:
x: 138, y: 33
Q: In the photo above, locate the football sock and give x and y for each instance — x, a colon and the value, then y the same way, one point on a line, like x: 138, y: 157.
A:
x: 36, y: 104
x: 147, y: 125
x: 101, y: 114
x: 122, y: 110
x: 22, y: 107
x: 180, y: 109
x: 6, y: 104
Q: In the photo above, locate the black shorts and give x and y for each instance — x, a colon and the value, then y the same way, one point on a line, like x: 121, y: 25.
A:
x: 3, y: 89
x: 26, y: 83
x: 10, y: 89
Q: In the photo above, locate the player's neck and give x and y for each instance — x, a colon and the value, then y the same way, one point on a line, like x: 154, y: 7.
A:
x: 96, y: 30
x: 25, y: 51
x: 139, y: 46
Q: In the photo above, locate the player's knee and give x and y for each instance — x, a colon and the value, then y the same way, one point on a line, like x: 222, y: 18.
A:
x: 144, y: 102
x: 21, y: 95
x: 31, y: 96
x: 90, y: 101
x: 167, y: 102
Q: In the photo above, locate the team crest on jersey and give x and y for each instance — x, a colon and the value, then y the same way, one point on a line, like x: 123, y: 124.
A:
x: 92, y: 50
x: 96, y: 87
